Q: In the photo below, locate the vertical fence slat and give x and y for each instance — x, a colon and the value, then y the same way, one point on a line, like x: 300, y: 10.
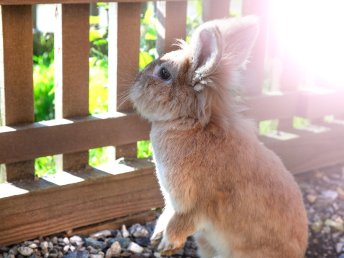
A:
x: 72, y: 70
x: 17, y: 80
x: 254, y: 75
x: 124, y: 46
x: 212, y: 11
x: 171, y: 24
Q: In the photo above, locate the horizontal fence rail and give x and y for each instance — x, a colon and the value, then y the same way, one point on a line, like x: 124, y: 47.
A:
x: 81, y: 196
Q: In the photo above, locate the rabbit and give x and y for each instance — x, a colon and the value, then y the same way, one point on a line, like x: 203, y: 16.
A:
x: 219, y: 182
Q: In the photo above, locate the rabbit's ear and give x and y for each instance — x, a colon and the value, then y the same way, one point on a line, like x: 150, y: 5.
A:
x: 239, y: 38
x: 206, y: 54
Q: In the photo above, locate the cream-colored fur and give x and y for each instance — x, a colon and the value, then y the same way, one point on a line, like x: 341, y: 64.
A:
x: 219, y: 182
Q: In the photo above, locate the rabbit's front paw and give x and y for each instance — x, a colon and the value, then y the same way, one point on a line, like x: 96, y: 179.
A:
x: 156, y: 238
x: 168, y: 247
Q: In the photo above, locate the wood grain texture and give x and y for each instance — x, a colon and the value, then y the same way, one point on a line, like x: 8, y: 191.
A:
x: 71, y: 55
x: 171, y: 25
x: 72, y: 72
x: 311, y: 150
x: 254, y: 74
x: 124, y: 46
x: 31, y: 2
x: 268, y: 107
x: 16, y: 81
x: 212, y: 11
x: 76, y: 205
x: 68, y: 136
x: 142, y: 217
x: 17, y: 49
x: 315, y: 105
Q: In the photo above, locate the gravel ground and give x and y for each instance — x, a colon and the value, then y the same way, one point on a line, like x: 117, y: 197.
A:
x: 323, y: 192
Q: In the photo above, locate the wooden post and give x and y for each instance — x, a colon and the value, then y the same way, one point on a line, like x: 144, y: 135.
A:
x: 72, y: 71
x: 215, y: 11
x: 254, y: 75
x: 171, y: 24
x: 16, y: 81
x: 124, y: 45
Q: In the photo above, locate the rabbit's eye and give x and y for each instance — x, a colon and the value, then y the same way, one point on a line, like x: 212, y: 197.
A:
x: 164, y: 74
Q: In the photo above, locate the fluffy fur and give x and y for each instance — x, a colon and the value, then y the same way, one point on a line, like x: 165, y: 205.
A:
x: 219, y: 182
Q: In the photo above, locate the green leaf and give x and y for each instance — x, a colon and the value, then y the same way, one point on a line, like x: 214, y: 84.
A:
x: 151, y: 34
x: 99, y: 42
x: 145, y: 59
x: 94, y: 20
x: 149, y: 15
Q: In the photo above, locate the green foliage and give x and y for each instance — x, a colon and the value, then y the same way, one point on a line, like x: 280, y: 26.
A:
x: 144, y: 149
x: 98, y: 156
x: 300, y: 122
x: 44, y: 94
x: 267, y: 126
x: 98, y: 94
x: 149, y: 36
x: 194, y: 17
x: 45, y: 166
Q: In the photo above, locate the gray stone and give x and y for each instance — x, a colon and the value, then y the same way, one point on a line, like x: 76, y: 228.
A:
x: 95, y: 243
x: 33, y: 246
x: 66, y: 248
x: 124, y: 242
x: 44, y: 246
x: 66, y: 240
x: 138, y: 230
x: 53, y: 253
x: 54, y: 240
x: 97, y: 255
x: 125, y: 232
x: 92, y: 250
x: 77, y: 254
x: 76, y: 240
x: 102, y: 234
x: 25, y: 251
x: 339, y: 247
x: 142, y: 241
x: 114, y: 250
x: 135, y: 248
x: 329, y: 194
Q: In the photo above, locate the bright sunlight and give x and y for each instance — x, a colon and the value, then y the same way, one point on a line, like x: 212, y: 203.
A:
x: 312, y: 33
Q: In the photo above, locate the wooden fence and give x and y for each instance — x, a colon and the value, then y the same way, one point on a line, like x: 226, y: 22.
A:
x: 83, y: 196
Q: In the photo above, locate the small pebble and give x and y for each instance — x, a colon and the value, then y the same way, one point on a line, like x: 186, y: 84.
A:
x: 101, y: 234
x: 76, y: 240
x: 142, y: 241
x: 95, y: 243
x: 33, y: 246
x: 97, y: 255
x: 54, y: 240
x: 339, y: 247
x: 66, y: 248
x: 138, y: 230
x: 125, y: 232
x: 124, y: 242
x: 66, y: 240
x: 135, y: 248
x: 25, y: 251
x: 44, y: 246
x: 311, y: 198
x: 114, y: 250
x: 329, y: 194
